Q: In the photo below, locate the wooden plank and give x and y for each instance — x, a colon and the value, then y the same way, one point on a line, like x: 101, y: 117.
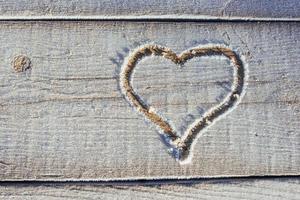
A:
x: 227, y: 189
x: 132, y: 9
x: 65, y: 117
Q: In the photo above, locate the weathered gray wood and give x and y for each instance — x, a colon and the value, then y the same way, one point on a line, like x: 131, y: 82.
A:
x: 67, y: 119
x: 230, y: 190
x: 201, y: 9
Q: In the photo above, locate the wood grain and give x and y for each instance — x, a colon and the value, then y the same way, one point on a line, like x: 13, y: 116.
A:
x: 65, y: 117
x: 215, y: 189
x: 170, y: 9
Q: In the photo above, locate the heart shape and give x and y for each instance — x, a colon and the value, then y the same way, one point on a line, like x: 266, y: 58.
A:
x: 183, y: 145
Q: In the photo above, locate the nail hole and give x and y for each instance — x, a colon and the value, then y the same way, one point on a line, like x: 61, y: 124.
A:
x: 21, y: 63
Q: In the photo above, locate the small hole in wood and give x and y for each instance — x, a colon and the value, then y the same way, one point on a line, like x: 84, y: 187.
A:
x: 21, y: 63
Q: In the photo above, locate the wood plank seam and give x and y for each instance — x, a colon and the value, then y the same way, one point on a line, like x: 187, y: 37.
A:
x: 148, y: 182
x: 148, y: 18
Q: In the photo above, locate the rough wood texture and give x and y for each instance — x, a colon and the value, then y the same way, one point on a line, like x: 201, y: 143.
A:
x: 227, y: 189
x: 65, y: 117
x: 177, y: 9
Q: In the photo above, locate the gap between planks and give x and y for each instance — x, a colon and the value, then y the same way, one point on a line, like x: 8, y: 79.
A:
x: 163, y: 181
x: 148, y: 18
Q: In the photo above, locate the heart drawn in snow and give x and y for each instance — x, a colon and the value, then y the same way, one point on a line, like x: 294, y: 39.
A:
x: 183, y: 145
